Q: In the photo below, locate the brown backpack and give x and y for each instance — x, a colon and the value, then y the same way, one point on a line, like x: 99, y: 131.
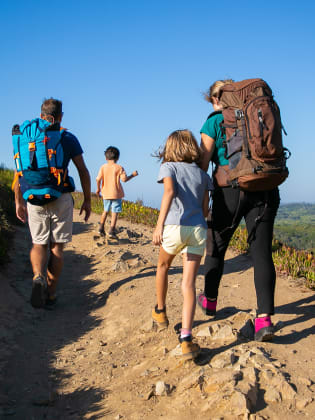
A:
x: 253, y: 128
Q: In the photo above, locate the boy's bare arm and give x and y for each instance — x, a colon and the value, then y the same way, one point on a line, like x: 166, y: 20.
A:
x: 98, y: 186
x: 125, y: 178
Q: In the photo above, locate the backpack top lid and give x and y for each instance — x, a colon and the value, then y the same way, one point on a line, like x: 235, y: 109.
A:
x: 237, y: 94
x: 34, y: 128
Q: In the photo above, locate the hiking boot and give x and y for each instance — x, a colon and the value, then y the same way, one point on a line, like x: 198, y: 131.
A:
x: 159, y: 317
x: 38, y: 296
x: 264, y: 329
x: 190, y: 350
x: 51, y: 301
x: 207, y: 306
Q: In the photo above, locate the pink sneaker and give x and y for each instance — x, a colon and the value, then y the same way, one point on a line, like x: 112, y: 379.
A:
x: 264, y: 329
x: 207, y: 306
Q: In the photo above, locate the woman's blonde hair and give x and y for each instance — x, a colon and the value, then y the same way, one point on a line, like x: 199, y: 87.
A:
x: 180, y: 146
x: 215, y: 88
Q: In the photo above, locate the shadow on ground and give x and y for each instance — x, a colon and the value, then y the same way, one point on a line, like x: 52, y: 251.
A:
x: 32, y: 380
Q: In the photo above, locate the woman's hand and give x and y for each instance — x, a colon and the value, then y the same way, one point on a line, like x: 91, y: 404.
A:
x: 157, y: 235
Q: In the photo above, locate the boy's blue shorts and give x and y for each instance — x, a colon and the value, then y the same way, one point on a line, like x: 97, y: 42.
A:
x: 114, y: 205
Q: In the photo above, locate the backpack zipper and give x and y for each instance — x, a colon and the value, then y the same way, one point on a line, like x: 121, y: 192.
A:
x: 246, y: 116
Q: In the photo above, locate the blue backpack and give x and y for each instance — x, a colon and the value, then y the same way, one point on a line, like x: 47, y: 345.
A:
x: 38, y: 156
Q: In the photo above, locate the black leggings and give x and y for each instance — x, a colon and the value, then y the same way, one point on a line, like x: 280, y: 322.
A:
x: 227, y: 204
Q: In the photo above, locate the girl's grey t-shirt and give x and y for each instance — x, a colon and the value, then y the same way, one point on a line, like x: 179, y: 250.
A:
x: 190, y: 184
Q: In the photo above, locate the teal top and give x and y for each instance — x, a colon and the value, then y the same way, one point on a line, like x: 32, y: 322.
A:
x: 213, y: 129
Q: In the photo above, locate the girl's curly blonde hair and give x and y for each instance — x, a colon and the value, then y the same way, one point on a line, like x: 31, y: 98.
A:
x: 180, y: 146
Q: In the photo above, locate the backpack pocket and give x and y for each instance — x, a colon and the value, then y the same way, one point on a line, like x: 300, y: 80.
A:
x: 233, y: 149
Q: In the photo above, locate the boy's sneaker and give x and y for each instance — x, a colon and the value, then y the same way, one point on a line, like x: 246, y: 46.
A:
x: 159, y: 317
x: 207, y: 306
x: 101, y: 232
x: 264, y: 329
x: 190, y: 350
x: 112, y: 234
x: 38, y: 296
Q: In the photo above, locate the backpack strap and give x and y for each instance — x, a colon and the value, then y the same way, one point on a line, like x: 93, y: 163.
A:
x: 214, y: 113
x: 252, y: 233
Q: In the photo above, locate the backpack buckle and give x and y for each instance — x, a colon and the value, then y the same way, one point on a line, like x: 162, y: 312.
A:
x: 239, y: 114
x: 32, y: 146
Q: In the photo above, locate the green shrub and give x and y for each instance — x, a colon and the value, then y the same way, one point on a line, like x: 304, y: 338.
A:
x: 7, y: 211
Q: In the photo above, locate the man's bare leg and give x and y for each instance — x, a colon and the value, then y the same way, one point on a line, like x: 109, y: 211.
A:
x: 38, y: 256
x: 54, y: 268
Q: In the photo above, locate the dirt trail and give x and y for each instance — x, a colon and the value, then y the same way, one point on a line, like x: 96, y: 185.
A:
x: 96, y: 356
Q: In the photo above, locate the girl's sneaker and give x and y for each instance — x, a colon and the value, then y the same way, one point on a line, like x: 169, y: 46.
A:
x: 264, y: 329
x: 159, y: 317
x: 207, y: 306
x: 190, y: 350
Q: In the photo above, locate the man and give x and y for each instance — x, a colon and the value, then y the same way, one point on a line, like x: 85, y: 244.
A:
x: 51, y: 224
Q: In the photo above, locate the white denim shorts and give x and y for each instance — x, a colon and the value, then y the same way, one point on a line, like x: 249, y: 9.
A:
x: 184, y: 239
x: 51, y: 222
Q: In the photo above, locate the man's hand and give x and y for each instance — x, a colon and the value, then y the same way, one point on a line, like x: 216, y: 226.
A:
x: 98, y: 192
x: 135, y: 173
x: 86, y: 207
x: 157, y: 235
x: 21, y: 211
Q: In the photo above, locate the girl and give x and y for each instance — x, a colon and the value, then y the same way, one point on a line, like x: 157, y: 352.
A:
x: 227, y: 212
x: 181, y: 227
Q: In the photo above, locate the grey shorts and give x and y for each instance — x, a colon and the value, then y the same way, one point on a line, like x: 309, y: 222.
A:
x: 51, y: 222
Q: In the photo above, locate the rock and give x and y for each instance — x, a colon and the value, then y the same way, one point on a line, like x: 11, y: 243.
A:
x: 286, y: 390
x: 304, y: 381
x: 245, y: 357
x: 205, y: 332
x: 161, y: 388
x: 227, y: 358
x: 177, y: 351
x: 250, y: 374
x: 272, y: 395
x: 147, y: 326
x: 108, y: 253
x: 221, y: 378
x: 302, y: 402
x: 193, y: 380
x: 120, y: 266
x: 222, y: 333
x: 237, y: 404
x: 250, y: 390
x: 119, y: 416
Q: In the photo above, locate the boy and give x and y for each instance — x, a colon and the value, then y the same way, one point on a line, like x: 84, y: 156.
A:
x: 109, y: 176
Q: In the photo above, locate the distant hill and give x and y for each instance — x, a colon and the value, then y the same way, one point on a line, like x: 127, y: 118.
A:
x: 295, y: 225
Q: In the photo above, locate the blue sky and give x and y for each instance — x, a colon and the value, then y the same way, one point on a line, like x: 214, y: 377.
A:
x: 130, y: 72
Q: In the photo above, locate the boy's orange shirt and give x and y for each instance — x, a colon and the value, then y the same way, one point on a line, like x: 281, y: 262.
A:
x: 110, y: 175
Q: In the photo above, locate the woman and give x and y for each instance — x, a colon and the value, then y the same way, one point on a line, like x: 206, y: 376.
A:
x: 228, y: 208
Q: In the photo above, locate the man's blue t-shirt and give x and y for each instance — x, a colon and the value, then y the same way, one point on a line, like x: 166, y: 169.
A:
x: 71, y: 149
x: 190, y: 183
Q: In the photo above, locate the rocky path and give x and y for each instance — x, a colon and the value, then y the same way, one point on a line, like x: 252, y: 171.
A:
x: 96, y: 356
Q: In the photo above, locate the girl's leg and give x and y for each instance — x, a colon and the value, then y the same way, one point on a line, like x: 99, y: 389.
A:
x: 191, y: 263
x: 164, y: 263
